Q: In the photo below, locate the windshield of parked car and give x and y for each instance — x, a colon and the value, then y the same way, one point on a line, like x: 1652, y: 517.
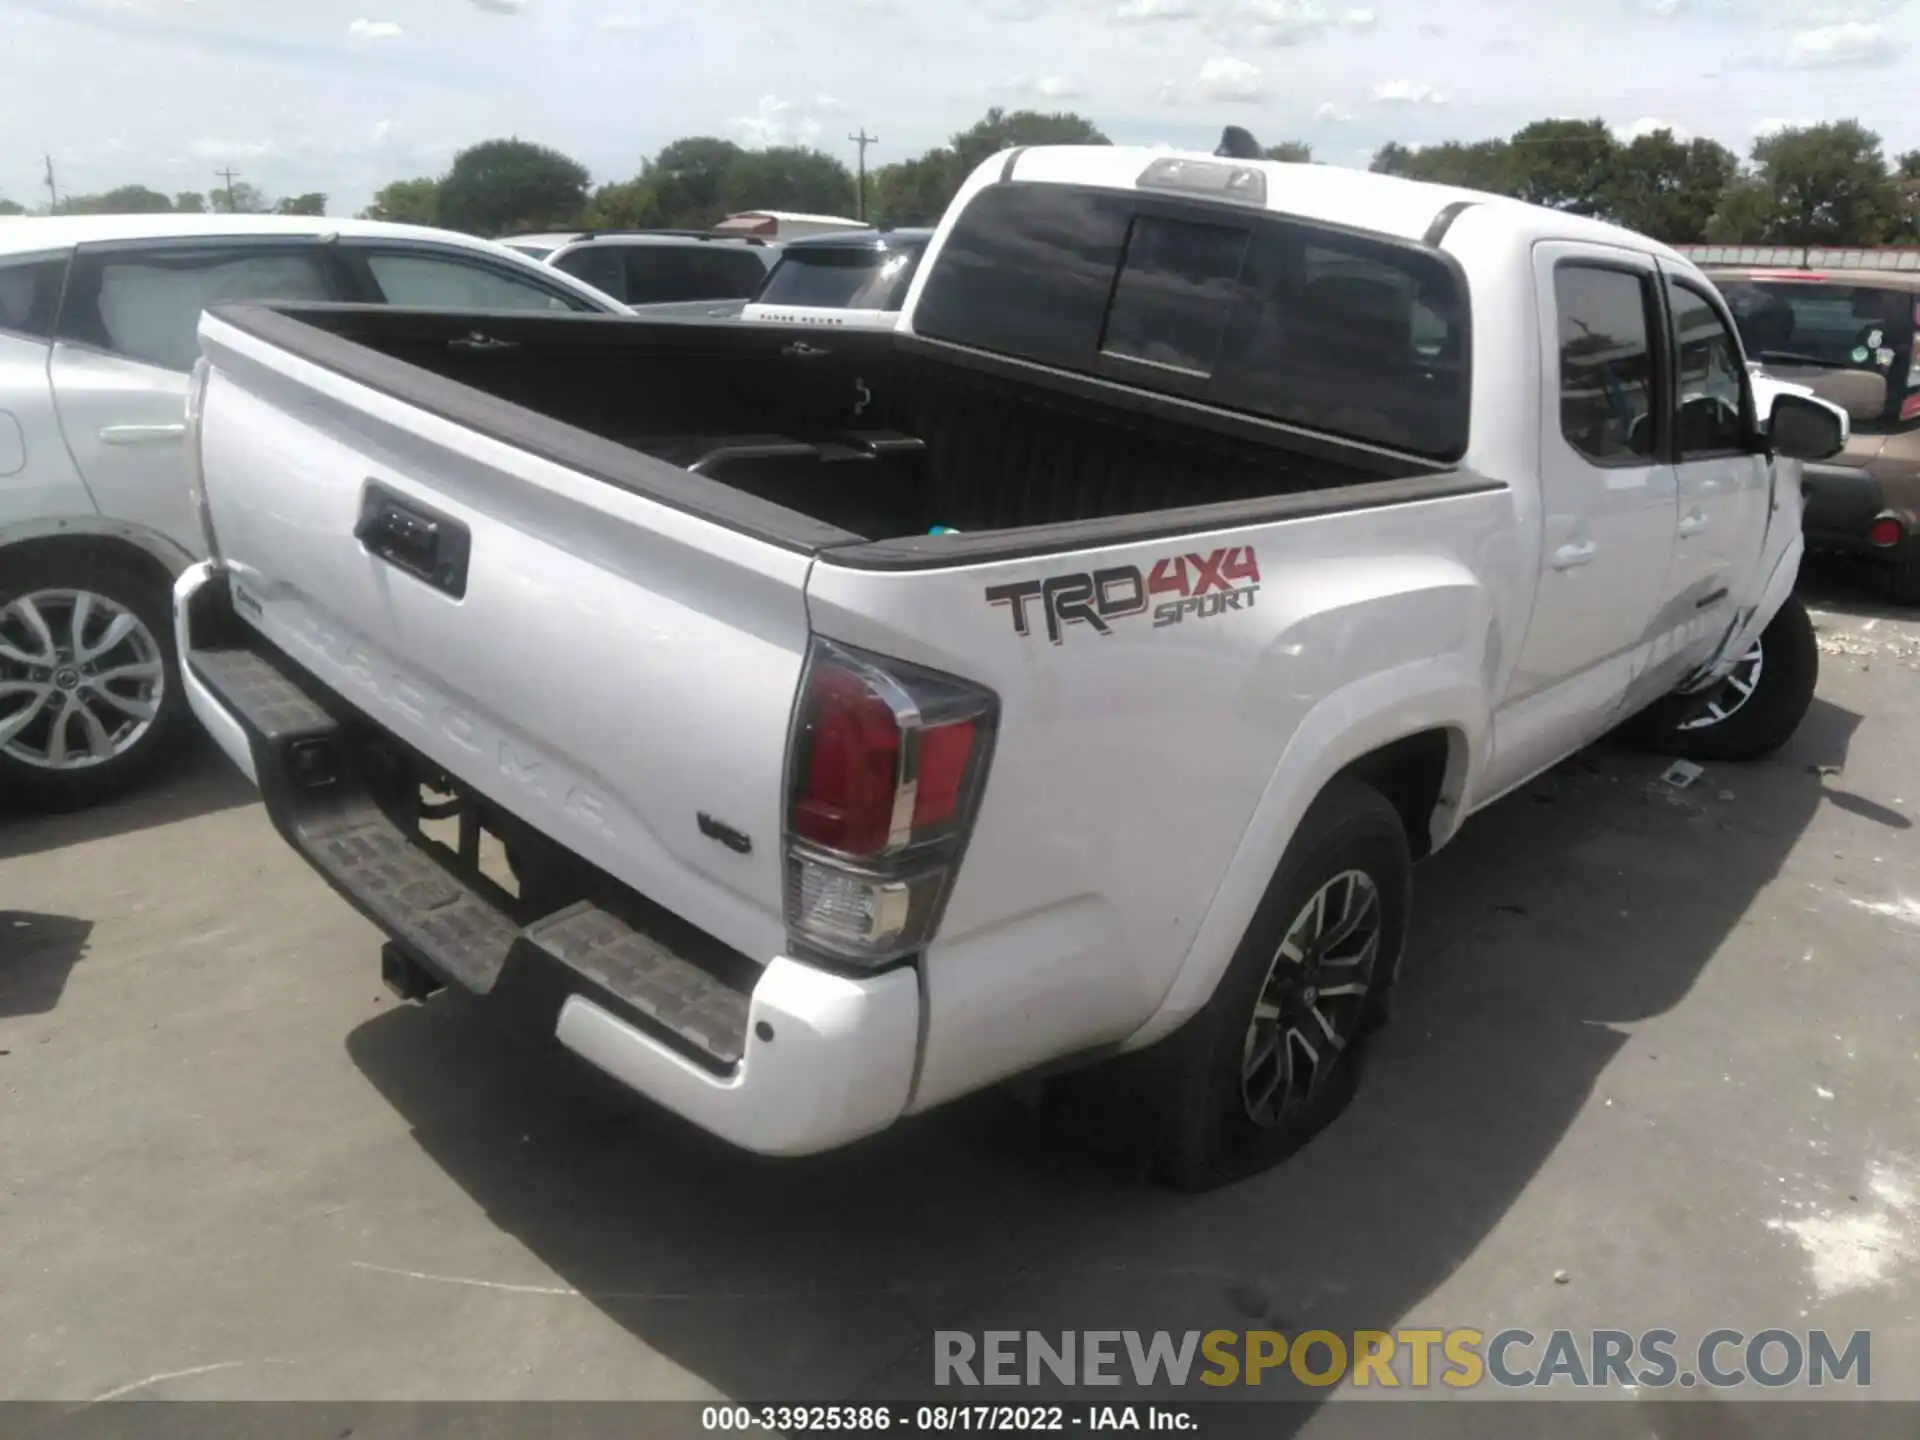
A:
x: 842, y: 278
x: 1853, y: 327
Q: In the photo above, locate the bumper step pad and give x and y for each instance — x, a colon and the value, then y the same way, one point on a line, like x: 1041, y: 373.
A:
x: 444, y: 922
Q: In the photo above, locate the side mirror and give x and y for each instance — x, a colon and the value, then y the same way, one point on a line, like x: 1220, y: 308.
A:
x: 1861, y: 393
x: 1803, y: 428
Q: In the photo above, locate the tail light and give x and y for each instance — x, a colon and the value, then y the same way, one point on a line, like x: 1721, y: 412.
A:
x: 885, y: 768
x: 1886, y: 532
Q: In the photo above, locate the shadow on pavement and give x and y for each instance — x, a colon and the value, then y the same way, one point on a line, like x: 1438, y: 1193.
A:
x: 196, y: 780
x: 37, y: 952
x: 1588, y: 901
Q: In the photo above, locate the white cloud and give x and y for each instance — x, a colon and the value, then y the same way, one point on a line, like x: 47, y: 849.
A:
x: 1662, y: 9
x: 1152, y: 12
x: 828, y: 104
x: 502, y: 7
x: 1649, y: 125
x: 1052, y: 87
x: 1763, y: 128
x: 216, y: 149
x: 622, y: 21
x: 1226, y: 78
x: 1406, y: 92
x: 1015, y: 11
x: 382, y: 129
x: 1331, y: 114
x: 780, y: 122
x: 1834, y: 46
x: 365, y: 29
x: 1359, y: 19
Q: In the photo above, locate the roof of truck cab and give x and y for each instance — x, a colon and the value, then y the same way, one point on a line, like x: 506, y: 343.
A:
x: 19, y: 234
x: 1386, y: 204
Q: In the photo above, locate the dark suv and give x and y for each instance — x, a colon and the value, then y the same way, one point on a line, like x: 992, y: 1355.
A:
x: 653, y: 267
x: 1850, y: 335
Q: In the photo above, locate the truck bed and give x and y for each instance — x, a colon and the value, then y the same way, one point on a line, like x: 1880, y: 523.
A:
x: 869, y: 436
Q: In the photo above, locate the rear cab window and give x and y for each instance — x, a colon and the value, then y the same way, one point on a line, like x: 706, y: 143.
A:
x: 1351, y: 334
x: 30, y: 294
x: 1787, y: 323
x: 841, y: 277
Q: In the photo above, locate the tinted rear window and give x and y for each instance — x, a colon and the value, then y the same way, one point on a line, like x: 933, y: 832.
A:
x: 655, y: 274
x: 850, y: 279
x: 1354, y: 335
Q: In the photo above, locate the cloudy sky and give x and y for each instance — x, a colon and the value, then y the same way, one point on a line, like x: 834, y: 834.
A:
x: 343, y: 95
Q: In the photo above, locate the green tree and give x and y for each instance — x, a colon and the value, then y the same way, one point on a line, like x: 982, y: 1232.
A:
x: 124, y: 200
x: 1814, y: 185
x: 629, y: 205
x: 406, y: 202
x: 190, y: 202
x: 1667, y: 189
x: 913, y: 192
x: 309, y: 204
x: 1296, y: 152
x: 689, y: 176
x: 999, y: 130
x: 1562, y: 164
x: 11, y: 207
x: 1483, y: 165
x: 501, y: 186
x: 788, y: 178
x: 240, y: 199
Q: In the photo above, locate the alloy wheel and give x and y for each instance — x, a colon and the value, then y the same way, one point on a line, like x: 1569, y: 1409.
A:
x: 1731, y: 695
x: 81, y: 679
x: 1309, y: 1007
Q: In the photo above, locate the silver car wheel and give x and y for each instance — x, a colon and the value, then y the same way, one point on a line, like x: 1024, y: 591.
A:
x: 1310, y: 1005
x: 1731, y: 695
x: 81, y: 679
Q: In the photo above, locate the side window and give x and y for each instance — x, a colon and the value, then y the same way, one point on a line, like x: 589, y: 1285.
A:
x: 1710, y: 382
x: 600, y: 266
x: 450, y: 282
x: 146, y: 304
x: 1606, y: 364
x: 661, y: 274
x: 1176, y: 294
x: 30, y: 294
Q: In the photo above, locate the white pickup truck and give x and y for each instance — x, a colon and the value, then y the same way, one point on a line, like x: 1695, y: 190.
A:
x: 1067, y: 679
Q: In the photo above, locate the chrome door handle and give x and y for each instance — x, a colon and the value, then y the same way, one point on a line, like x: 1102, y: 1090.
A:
x: 1693, y: 524
x: 1572, y: 557
x: 142, y: 434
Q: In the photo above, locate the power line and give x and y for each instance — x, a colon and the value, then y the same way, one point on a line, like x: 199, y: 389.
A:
x: 53, y: 192
x: 863, y: 140
x: 229, y: 175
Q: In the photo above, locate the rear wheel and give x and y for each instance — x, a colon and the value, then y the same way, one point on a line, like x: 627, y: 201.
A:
x: 1274, y: 1056
x: 1754, y: 711
x: 89, y: 684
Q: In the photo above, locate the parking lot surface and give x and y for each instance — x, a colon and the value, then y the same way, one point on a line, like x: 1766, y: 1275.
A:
x: 1654, y: 1064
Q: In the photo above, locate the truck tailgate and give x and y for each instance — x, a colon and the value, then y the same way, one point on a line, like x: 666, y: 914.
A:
x: 605, y: 667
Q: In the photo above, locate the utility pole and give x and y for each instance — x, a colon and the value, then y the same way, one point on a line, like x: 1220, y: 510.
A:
x: 229, y: 176
x: 53, y: 193
x: 863, y: 139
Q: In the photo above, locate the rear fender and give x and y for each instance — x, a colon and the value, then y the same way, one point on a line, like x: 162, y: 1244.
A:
x: 1443, y: 692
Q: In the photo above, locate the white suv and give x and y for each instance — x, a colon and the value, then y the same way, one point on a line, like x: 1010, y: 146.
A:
x: 97, y: 341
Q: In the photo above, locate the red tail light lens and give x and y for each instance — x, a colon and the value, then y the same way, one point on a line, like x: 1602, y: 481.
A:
x: 1886, y: 532
x: 887, y: 761
x: 846, y: 799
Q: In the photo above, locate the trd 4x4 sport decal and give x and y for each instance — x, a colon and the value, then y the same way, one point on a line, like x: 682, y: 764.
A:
x: 1206, y: 585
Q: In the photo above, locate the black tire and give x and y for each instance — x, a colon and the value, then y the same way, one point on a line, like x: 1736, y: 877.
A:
x: 1759, y: 723
x: 134, y: 587
x: 1196, y: 1083
x: 1903, y: 582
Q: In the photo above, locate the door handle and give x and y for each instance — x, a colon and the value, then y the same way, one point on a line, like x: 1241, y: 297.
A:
x: 1693, y: 524
x: 142, y: 434
x: 1572, y: 557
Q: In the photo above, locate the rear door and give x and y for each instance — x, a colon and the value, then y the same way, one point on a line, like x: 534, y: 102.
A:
x: 448, y: 279
x: 125, y: 344
x: 1608, y: 502
x: 1723, y: 476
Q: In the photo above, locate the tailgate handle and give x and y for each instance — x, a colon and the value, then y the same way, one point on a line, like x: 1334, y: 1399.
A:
x: 429, y: 546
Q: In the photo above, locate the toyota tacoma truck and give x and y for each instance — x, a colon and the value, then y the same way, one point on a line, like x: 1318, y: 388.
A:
x: 810, y: 726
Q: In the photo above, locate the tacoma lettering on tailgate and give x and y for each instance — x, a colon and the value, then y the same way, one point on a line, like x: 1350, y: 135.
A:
x: 1205, y: 586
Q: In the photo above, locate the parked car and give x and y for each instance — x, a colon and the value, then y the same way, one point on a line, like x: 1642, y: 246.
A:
x: 653, y: 267
x: 1850, y: 336
x: 97, y: 318
x: 1288, y: 515
x: 859, y: 279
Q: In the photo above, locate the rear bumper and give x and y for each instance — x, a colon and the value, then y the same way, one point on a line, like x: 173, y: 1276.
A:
x: 791, y: 1061
x: 1843, y: 501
